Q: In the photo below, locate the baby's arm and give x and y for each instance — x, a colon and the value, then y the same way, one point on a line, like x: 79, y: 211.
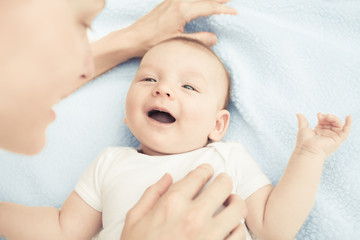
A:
x: 279, y: 212
x: 76, y: 220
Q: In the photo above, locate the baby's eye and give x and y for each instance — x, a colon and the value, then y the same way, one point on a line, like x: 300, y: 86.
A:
x: 149, y: 80
x: 188, y: 87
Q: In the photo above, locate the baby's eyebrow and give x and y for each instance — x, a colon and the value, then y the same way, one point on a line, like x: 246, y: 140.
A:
x: 146, y: 71
x: 196, y: 75
x: 147, y: 65
x: 148, y: 68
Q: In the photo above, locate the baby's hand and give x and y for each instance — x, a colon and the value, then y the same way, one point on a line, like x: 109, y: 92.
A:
x: 325, y: 138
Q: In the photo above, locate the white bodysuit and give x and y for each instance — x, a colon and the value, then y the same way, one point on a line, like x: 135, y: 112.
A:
x: 118, y: 177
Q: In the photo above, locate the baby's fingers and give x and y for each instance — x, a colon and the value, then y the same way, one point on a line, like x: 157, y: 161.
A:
x: 346, y: 129
x: 302, y: 122
x: 329, y: 120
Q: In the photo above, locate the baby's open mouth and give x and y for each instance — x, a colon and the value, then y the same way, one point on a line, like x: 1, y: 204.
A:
x: 160, y: 116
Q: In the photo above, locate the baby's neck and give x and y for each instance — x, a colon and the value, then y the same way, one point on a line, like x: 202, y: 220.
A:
x: 151, y: 152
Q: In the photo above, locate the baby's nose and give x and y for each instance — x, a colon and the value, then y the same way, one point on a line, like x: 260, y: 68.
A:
x: 163, y: 90
x: 165, y: 93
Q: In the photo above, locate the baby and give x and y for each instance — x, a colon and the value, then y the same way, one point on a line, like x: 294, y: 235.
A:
x: 177, y: 108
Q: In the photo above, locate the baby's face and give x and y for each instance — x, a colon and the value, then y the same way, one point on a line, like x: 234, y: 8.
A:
x: 176, y: 99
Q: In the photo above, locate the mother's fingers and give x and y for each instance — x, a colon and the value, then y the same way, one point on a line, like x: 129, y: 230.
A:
x: 219, y: 1
x: 205, y: 8
x: 207, y: 38
x: 216, y: 193
x: 237, y: 233
x: 234, y: 212
x: 230, y: 219
x: 193, y: 182
x: 149, y: 198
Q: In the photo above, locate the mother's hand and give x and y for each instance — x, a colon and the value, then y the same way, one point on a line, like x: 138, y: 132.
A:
x: 168, y: 211
x: 169, y: 18
x: 165, y: 21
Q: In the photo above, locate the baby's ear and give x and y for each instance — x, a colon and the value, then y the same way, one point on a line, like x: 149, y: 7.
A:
x: 125, y: 121
x: 221, y: 125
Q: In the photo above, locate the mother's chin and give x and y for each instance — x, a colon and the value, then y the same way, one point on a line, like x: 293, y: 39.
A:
x: 28, y: 146
x: 27, y: 141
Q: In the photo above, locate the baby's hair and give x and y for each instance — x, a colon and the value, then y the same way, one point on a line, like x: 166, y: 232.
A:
x: 196, y: 42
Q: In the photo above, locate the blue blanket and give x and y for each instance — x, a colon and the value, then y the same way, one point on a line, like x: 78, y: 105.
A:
x: 284, y: 57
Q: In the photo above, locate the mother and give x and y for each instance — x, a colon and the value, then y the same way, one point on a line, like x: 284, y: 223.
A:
x: 45, y: 55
